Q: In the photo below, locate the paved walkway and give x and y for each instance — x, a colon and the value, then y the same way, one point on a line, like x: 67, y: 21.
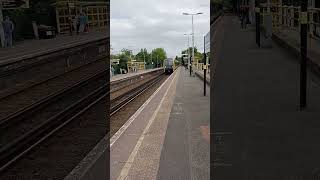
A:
x: 200, y: 73
x: 168, y: 137
x: 34, y: 47
x: 186, y: 153
x: 255, y: 118
x: 293, y: 39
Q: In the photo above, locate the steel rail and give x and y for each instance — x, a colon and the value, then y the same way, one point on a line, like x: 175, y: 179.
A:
x: 18, y: 115
x: 24, y: 144
x: 118, y: 103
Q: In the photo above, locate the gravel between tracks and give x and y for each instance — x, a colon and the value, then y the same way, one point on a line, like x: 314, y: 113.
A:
x: 119, y: 118
x: 59, y: 154
x: 143, y: 79
x: 12, y: 103
x: 27, y: 123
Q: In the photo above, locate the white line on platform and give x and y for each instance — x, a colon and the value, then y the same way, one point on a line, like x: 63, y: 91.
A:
x: 116, y: 136
x: 126, y: 168
x: 222, y: 133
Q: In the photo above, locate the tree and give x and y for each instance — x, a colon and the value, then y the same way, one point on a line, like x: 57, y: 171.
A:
x: 124, y: 57
x: 158, y: 56
x: 197, y: 55
x: 142, y: 55
x: 190, y: 50
x: 126, y: 52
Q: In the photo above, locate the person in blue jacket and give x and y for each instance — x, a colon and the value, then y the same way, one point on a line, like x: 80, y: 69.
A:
x: 8, y: 28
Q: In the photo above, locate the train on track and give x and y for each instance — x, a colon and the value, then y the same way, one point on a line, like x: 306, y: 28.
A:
x: 168, y: 65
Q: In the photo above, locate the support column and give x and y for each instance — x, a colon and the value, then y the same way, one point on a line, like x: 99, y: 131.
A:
x: 311, y: 25
x: 303, y: 63
x: 280, y: 13
x: 291, y: 16
x: 258, y: 22
x: 252, y: 12
x: 1, y: 27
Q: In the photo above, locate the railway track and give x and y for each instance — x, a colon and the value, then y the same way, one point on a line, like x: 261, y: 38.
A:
x: 21, y: 133
x: 118, y: 103
x: 19, y: 100
x: 27, y: 128
x: 39, y: 77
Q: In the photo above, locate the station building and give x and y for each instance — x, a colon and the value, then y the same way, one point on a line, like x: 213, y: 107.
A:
x: 285, y: 13
x: 134, y: 66
x: 97, y: 12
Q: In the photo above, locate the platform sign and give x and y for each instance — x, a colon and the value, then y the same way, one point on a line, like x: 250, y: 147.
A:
x: 207, y: 42
x: 15, y: 4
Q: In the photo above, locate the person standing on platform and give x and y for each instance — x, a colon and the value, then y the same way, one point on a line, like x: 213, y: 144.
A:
x: 86, y: 27
x: 75, y: 23
x: 244, y: 18
x: 83, y: 22
x: 8, y: 28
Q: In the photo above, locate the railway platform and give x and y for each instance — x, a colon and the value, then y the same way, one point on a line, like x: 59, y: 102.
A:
x: 168, y: 137
x: 290, y: 39
x: 30, y: 48
x: 200, y: 73
x: 256, y: 115
x: 128, y: 75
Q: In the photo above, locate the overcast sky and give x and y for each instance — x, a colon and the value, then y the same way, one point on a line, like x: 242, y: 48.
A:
x: 150, y: 24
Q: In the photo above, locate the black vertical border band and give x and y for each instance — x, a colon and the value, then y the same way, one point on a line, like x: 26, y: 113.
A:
x: 108, y: 90
x: 211, y: 90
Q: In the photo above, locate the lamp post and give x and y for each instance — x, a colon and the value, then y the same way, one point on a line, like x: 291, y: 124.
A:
x: 151, y: 59
x: 1, y: 27
x: 303, y: 49
x: 144, y: 60
x: 187, y: 14
x: 258, y: 22
x: 188, y: 49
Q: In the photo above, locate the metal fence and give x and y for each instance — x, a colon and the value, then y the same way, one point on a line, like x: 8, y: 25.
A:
x: 288, y: 17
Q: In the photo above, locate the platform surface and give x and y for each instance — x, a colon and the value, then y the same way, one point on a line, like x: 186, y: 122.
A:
x: 255, y: 103
x: 168, y: 139
x: 292, y: 37
x: 29, y: 48
x: 123, y: 76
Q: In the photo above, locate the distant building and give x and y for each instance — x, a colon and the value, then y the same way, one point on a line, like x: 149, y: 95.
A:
x: 134, y: 66
x: 97, y: 12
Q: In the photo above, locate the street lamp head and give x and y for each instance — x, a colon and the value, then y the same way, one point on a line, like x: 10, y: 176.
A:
x: 200, y: 13
x: 185, y: 13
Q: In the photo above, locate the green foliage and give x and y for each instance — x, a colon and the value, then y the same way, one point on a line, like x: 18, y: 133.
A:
x: 190, y: 50
x: 227, y: 4
x: 196, y: 53
x: 142, y: 55
x: 126, y: 52
x: 116, y: 69
x: 158, y: 56
x: 178, y: 61
x: 124, y: 58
